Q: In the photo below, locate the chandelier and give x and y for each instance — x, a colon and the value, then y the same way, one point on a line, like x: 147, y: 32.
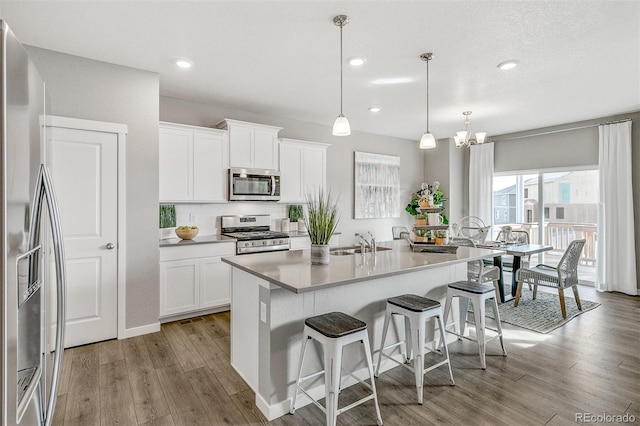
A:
x: 463, y: 138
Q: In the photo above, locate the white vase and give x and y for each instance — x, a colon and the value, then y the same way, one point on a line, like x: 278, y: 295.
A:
x: 319, y: 254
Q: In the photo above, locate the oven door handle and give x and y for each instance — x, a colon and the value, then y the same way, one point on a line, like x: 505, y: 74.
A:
x: 273, y: 185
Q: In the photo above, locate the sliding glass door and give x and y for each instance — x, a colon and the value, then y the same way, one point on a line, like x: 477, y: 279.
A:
x: 555, y: 208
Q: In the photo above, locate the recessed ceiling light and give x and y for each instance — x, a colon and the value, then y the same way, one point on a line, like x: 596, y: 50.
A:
x: 507, y: 65
x: 184, y: 64
x: 393, y: 80
x: 356, y: 61
x: 375, y: 109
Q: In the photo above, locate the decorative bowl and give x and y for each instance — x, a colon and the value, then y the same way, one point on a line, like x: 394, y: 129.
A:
x: 186, y: 233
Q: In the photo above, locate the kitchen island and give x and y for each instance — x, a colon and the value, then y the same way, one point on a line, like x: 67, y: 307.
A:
x: 273, y: 293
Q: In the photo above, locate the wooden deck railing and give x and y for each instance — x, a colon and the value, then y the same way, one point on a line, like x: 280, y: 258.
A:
x: 560, y: 234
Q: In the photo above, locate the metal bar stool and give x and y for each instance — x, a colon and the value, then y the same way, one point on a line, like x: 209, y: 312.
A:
x: 416, y: 311
x: 334, y: 331
x: 475, y: 293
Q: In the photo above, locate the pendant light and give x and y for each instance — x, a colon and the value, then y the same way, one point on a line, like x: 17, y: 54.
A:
x: 341, y: 126
x: 427, y: 141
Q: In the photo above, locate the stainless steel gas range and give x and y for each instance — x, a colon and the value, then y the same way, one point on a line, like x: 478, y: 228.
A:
x: 254, y: 234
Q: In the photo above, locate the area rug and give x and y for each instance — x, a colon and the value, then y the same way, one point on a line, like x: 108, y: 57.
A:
x: 541, y: 315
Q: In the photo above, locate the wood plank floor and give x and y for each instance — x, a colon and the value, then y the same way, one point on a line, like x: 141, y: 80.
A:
x: 182, y: 376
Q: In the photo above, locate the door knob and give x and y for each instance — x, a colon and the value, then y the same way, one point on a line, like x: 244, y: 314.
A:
x: 110, y: 246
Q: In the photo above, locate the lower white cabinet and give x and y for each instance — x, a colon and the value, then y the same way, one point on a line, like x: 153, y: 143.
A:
x: 194, y: 278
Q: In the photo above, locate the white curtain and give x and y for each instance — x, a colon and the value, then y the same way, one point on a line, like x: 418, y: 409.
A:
x: 616, y: 254
x: 481, y: 182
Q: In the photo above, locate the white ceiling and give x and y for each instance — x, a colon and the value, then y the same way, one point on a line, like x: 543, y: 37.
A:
x: 578, y: 59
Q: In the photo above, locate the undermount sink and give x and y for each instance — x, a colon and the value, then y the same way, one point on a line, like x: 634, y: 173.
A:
x: 350, y: 250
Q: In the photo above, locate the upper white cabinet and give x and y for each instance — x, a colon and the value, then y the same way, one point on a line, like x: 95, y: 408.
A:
x: 251, y: 146
x: 303, y: 168
x: 193, y: 163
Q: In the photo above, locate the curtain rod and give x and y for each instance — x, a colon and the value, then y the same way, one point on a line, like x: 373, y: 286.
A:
x: 565, y: 130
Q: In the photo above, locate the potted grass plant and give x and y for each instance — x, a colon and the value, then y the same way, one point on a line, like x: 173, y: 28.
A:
x: 321, y: 221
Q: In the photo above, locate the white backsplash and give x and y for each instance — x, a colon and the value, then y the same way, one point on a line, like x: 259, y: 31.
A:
x: 207, y: 216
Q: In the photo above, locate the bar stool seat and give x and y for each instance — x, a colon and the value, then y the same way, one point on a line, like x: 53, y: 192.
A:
x: 476, y: 294
x: 333, y: 331
x: 335, y: 324
x: 416, y: 310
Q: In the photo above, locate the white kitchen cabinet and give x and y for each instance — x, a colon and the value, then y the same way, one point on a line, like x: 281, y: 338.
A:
x: 193, y: 164
x: 194, y: 278
x: 215, y: 282
x: 176, y: 164
x: 303, y: 169
x: 179, y: 286
x: 251, y: 145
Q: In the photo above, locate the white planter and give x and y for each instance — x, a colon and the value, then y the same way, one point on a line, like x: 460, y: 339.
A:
x: 319, y: 254
x: 301, y: 226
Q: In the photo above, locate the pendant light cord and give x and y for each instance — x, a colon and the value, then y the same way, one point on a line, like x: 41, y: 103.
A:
x: 428, y: 95
x: 341, y: 25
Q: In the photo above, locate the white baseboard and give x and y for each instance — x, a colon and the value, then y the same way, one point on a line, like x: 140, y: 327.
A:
x: 139, y: 331
x: 194, y: 314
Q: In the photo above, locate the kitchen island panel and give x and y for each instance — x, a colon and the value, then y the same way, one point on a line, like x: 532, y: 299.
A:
x: 272, y: 360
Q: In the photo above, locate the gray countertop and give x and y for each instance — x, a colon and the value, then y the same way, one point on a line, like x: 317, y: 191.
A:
x: 204, y: 239
x: 293, y: 271
x: 208, y: 239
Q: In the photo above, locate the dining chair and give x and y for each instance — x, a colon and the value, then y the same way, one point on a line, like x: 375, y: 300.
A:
x: 473, y: 227
x: 476, y: 269
x: 399, y: 232
x: 563, y: 276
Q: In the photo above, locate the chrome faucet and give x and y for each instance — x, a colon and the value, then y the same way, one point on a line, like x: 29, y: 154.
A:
x: 363, y: 242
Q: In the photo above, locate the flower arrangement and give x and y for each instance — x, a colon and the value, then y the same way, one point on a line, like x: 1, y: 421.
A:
x: 427, y: 195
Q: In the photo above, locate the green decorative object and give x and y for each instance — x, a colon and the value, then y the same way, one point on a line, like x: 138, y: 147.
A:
x: 322, y: 218
x: 295, y: 212
x: 320, y: 221
x: 426, y: 191
x: 167, y: 216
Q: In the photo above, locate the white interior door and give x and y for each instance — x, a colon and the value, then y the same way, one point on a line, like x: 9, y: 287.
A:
x: 84, y: 166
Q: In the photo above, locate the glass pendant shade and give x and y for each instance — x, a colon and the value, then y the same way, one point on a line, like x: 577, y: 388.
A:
x: 480, y: 137
x: 427, y: 141
x: 341, y: 126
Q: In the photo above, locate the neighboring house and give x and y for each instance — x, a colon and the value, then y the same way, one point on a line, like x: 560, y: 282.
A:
x: 569, y: 197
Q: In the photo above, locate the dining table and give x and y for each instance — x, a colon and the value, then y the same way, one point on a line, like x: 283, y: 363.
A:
x: 518, y: 251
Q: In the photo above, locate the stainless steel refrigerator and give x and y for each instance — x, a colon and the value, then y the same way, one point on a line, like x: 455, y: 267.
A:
x: 32, y: 260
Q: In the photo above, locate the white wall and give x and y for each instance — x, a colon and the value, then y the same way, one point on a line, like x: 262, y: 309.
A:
x: 92, y: 90
x: 340, y: 158
x: 445, y: 164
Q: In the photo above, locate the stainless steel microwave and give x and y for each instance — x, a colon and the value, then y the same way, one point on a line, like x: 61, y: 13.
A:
x: 254, y: 185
